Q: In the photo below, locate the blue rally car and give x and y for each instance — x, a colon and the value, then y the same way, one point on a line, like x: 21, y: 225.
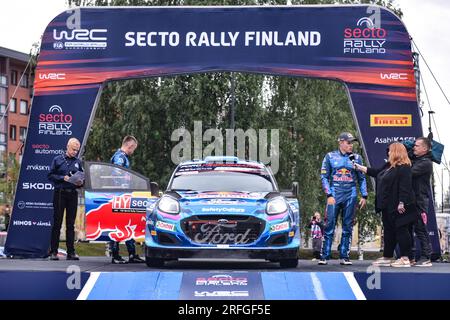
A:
x: 223, y: 207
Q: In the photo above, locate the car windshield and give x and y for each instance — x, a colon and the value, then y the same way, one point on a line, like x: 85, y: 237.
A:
x: 222, y: 181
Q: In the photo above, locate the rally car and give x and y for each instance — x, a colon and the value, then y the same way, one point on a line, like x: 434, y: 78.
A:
x: 222, y: 207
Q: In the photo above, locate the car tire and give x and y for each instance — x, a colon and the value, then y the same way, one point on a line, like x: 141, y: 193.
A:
x: 154, y: 262
x: 289, y: 263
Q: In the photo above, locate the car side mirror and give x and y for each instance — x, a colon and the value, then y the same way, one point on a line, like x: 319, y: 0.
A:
x: 154, y: 189
x: 295, y: 191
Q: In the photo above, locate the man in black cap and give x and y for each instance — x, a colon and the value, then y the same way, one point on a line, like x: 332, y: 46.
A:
x: 339, y: 184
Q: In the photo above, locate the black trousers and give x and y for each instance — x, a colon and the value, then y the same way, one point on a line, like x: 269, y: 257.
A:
x: 420, y: 229
x: 64, y: 200
x: 403, y: 235
x: 390, y: 240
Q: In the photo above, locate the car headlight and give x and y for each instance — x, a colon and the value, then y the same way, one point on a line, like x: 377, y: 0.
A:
x: 169, y: 205
x: 276, y: 206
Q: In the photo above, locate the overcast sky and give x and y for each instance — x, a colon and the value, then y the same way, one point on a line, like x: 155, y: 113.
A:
x: 25, y: 20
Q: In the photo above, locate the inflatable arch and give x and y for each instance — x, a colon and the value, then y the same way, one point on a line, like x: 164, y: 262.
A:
x: 365, y: 47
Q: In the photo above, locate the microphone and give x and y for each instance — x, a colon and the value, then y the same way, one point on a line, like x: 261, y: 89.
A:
x: 351, y: 156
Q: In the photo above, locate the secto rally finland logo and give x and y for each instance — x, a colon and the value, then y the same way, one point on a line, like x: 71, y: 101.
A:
x: 55, y: 122
x: 366, y: 38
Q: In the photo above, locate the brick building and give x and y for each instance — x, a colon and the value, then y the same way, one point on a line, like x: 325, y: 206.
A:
x: 16, y: 88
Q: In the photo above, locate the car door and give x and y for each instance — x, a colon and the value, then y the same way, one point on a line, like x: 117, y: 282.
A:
x: 115, y: 200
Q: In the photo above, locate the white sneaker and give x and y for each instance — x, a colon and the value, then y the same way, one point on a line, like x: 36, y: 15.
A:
x: 323, y: 262
x: 401, y: 263
x: 383, y: 262
x: 346, y: 262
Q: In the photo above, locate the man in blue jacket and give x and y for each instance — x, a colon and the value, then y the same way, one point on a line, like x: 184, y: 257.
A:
x: 339, y: 184
x: 120, y: 158
x: 65, y: 197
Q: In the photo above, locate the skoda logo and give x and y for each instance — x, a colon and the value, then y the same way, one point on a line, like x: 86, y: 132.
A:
x: 21, y: 205
x: 222, y: 221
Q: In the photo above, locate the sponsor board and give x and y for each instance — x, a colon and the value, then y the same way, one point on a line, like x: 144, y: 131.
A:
x: 394, y: 76
x: 29, y: 223
x: 223, y: 293
x: 386, y: 140
x: 222, y: 210
x: 34, y: 205
x: 44, y: 149
x: 52, y: 76
x: 37, y: 167
x: 165, y: 226
x: 279, y: 227
x: 221, y: 280
x: 129, y: 204
x: 210, y: 285
x: 55, y: 122
x: 390, y: 120
x: 37, y: 186
x: 91, y: 39
x: 365, y: 38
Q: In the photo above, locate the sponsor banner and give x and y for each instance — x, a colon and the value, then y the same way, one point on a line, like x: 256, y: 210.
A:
x: 129, y: 204
x: 364, y: 37
x: 165, y: 226
x: 46, y: 139
x: 391, y: 120
x: 34, y: 205
x: 387, y: 140
x: 223, y: 210
x: 221, y: 286
x: 116, y: 216
x: 280, y: 227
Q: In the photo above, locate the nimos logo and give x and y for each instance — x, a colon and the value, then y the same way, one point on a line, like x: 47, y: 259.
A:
x: 390, y: 120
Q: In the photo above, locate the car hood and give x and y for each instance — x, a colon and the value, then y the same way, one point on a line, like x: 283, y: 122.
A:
x: 213, y: 202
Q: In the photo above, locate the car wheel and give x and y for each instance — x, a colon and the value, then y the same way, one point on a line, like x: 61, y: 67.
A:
x: 154, y: 262
x: 289, y: 263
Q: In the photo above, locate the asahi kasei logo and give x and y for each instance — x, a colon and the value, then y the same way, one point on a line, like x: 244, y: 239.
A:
x: 55, y: 122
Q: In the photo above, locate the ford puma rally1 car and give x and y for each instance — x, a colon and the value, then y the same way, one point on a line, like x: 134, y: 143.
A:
x: 222, y: 207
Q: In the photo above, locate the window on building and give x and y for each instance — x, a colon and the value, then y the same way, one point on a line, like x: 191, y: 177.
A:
x: 2, y: 109
x: 23, y: 107
x: 3, y: 80
x: 3, y: 94
x: 14, y: 77
x: 13, y: 105
x: 24, y: 80
x: 2, y: 137
x: 23, y: 133
x: 12, y: 133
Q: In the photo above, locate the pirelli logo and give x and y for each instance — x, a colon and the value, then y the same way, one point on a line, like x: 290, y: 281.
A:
x: 390, y: 120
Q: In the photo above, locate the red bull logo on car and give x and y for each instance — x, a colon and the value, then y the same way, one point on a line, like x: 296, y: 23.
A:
x: 121, y: 217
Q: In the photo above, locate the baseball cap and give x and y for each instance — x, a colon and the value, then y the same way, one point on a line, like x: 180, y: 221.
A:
x: 347, y: 136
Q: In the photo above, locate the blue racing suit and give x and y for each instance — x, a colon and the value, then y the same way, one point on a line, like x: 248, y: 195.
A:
x: 339, y: 181
x: 120, y: 158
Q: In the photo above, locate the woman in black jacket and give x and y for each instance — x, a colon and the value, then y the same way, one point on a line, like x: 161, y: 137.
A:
x: 395, y: 199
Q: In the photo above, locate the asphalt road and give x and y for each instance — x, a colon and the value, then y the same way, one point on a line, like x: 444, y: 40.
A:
x: 102, y: 264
